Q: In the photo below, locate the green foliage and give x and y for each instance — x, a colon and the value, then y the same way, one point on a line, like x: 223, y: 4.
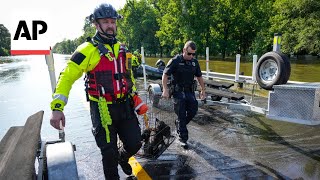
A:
x: 299, y: 22
x: 5, y: 44
x: 227, y: 27
x: 65, y: 47
x: 139, y: 26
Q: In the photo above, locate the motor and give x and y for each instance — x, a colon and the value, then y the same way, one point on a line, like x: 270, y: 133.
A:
x: 160, y: 64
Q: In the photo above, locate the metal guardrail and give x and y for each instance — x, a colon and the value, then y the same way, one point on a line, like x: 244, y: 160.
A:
x: 227, y: 77
x: 242, y: 78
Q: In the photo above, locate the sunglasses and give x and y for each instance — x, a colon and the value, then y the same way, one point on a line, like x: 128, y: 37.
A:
x: 193, y: 54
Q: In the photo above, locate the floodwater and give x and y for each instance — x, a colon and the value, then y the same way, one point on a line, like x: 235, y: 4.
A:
x: 301, y: 70
x: 224, y: 143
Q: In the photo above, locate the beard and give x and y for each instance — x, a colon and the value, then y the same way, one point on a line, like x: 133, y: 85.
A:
x: 110, y: 30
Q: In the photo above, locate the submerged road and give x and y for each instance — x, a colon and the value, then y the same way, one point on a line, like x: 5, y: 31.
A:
x: 224, y: 143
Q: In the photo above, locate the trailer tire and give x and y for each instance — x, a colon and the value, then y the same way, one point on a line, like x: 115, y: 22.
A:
x: 288, y: 67
x: 273, y: 68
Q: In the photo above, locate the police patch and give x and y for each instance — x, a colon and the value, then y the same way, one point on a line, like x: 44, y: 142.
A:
x: 193, y: 64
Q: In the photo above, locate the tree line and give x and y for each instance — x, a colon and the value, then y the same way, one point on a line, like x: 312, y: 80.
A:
x: 227, y: 27
x: 5, y: 44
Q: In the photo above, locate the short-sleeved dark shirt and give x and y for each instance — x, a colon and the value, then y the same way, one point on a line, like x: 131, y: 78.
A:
x: 182, y: 71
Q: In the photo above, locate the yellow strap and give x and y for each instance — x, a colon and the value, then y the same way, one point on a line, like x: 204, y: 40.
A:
x: 146, y: 121
x: 105, y: 116
x: 109, y: 56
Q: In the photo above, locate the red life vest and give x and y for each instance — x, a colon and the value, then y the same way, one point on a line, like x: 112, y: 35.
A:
x: 110, y: 78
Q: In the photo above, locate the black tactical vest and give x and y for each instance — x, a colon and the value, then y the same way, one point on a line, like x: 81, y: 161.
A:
x: 184, y: 76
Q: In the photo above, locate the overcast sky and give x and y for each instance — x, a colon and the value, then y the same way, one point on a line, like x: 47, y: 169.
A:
x: 66, y: 16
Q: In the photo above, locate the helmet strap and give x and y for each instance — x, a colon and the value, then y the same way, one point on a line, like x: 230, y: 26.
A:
x: 111, y: 39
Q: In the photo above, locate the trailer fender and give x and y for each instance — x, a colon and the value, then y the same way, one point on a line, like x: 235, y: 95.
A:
x: 154, y: 92
x: 61, y: 162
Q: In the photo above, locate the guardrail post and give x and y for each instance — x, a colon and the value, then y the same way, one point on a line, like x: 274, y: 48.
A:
x: 237, y: 67
x: 207, y: 61
x: 144, y: 69
x: 254, y: 64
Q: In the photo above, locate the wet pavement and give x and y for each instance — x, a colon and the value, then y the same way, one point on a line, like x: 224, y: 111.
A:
x: 223, y: 143
x: 227, y: 144
x: 237, y: 144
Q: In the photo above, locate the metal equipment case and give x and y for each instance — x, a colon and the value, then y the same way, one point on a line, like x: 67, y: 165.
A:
x: 299, y: 103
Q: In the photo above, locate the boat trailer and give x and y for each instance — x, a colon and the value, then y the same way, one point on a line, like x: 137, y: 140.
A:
x: 55, y: 159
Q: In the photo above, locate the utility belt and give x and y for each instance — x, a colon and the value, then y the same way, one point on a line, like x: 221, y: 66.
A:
x: 179, y: 88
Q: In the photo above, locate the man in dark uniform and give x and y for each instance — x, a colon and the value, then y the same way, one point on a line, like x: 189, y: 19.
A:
x: 182, y: 69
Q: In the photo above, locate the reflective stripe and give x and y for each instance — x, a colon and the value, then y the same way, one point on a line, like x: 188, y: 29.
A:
x: 61, y: 97
x: 138, y: 107
x: 116, y: 72
x: 121, y: 67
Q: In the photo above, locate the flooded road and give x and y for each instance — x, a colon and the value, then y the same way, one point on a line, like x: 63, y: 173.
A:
x: 224, y: 143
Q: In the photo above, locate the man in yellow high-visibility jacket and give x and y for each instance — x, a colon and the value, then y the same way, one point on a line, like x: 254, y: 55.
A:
x: 110, y: 90
x: 135, y: 64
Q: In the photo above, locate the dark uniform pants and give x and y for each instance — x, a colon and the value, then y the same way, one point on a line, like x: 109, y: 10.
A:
x: 124, y: 124
x: 186, y: 107
x: 135, y: 71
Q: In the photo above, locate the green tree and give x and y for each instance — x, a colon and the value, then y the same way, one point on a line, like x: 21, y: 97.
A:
x: 226, y: 26
x: 198, y: 18
x: 139, y: 25
x: 69, y: 46
x: 170, y: 22
x: 252, y: 19
x: 299, y: 23
x: 5, y: 44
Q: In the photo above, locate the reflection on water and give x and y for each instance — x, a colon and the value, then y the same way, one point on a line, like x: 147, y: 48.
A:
x: 24, y: 90
x: 11, y: 74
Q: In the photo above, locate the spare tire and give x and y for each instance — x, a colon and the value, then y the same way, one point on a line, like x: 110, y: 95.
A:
x: 288, y: 67
x: 273, y: 68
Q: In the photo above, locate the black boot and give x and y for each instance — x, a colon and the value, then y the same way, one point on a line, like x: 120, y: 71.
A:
x: 183, y: 144
x: 126, y: 167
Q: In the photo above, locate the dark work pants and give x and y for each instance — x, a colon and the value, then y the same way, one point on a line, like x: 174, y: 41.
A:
x: 186, y: 107
x: 124, y: 124
x: 135, y: 71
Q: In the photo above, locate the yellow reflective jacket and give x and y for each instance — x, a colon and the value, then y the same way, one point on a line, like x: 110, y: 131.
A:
x: 84, y: 59
x: 135, y: 61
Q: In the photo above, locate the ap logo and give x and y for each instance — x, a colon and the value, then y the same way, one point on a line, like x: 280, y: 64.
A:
x: 30, y: 32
